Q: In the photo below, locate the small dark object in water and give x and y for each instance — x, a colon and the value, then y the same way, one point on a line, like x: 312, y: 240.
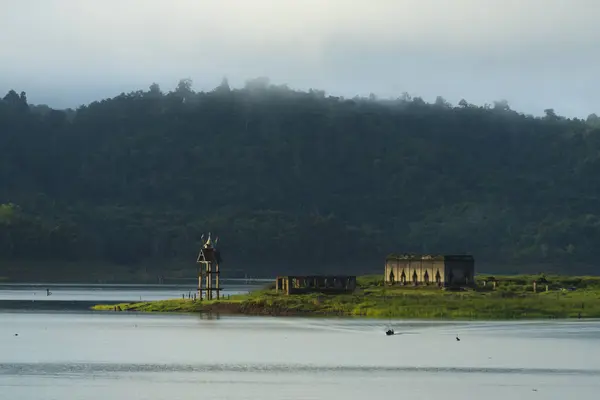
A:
x: 16, y: 334
x: 389, y: 332
x: 457, y: 339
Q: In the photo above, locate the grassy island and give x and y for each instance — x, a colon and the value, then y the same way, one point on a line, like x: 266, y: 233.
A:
x: 512, y: 298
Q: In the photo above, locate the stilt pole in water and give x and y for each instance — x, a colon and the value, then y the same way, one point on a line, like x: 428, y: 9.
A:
x: 208, y: 274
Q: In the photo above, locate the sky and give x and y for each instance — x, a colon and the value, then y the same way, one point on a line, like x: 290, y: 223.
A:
x: 536, y: 54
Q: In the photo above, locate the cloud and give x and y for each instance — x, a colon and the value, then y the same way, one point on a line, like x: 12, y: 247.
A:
x: 478, y: 49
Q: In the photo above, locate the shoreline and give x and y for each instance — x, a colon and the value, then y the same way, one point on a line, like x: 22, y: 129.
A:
x: 140, y: 308
x: 514, y: 299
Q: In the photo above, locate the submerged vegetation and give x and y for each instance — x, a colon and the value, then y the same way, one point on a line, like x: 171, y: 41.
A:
x: 513, y: 298
x: 134, y: 180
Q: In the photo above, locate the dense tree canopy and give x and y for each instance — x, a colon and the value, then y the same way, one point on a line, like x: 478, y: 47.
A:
x: 295, y: 178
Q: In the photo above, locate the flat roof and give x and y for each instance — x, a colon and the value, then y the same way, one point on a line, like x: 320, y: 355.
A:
x: 424, y: 257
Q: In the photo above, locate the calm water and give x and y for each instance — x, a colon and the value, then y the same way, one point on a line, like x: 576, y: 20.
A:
x: 95, y: 355
x: 113, y: 293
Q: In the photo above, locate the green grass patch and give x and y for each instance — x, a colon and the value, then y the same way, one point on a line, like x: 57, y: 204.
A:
x: 513, y: 298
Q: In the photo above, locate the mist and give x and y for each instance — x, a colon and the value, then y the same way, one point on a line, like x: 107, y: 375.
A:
x: 536, y: 54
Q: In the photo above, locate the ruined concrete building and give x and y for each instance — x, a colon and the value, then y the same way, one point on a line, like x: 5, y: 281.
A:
x: 327, y: 284
x: 440, y: 270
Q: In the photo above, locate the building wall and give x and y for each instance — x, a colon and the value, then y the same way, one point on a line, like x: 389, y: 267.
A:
x: 460, y: 272
x: 445, y: 271
x: 295, y: 284
x: 414, y: 271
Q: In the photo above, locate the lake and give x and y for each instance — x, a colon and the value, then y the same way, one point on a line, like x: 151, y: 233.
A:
x: 110, y: 355
x: 30, y: 296
x: 111, y: 293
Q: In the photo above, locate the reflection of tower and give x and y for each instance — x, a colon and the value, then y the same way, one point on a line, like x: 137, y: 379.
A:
x: 208, y: 276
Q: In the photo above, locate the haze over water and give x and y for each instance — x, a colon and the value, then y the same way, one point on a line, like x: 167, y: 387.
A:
x: 111, y: 355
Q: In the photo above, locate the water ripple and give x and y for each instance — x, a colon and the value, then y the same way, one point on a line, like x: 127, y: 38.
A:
x: 107, y: 368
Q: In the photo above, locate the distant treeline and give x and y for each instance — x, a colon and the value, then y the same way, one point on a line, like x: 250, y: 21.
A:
x: 289, y: 178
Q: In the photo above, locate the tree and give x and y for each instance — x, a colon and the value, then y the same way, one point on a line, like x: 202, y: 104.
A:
x: 8, y: 214
x: 184, y: 87
x: 441, y: 102
x: 155, y: 88
x: 12, y: 98
x: 223, y: 87
x: 501, y: 105
x: 550, y: 114
x: 593, y: 120
x: 135, y: 179
x: 257, y: 84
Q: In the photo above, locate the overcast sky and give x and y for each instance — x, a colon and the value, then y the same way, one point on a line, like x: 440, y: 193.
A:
x: 536, y: 54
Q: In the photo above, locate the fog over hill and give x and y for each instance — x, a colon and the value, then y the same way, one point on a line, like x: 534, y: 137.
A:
x: 536, y: 54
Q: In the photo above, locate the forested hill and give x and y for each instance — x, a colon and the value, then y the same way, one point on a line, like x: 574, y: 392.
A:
x: 294, y: 180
